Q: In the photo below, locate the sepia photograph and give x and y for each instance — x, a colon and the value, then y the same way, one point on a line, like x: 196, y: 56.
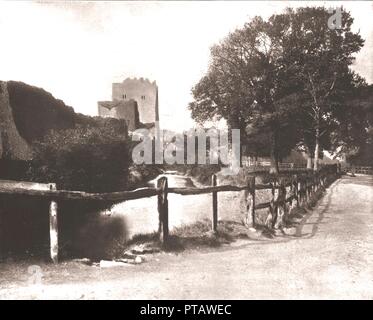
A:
x: 208, y: 151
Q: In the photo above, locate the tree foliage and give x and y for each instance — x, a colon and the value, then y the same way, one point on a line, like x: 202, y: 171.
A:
x: 321, y: 57
x: 92, y: 159
x: 245, y: 85
x: 283, y: 82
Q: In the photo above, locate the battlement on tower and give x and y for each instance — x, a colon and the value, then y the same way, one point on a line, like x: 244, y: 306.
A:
x: 140, y: 80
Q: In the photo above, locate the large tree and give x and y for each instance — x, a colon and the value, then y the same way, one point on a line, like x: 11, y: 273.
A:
x: 283, y: 81
x: 354, y: 135
x: 321, y: 56
x: 248, y: 85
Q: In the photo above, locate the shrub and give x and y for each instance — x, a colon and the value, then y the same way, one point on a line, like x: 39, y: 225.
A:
x: 92, y: 159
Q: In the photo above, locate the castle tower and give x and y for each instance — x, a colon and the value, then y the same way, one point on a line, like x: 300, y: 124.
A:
x: 144, y: 92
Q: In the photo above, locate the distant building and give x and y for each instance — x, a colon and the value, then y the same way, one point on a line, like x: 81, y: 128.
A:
x: 135, y: 100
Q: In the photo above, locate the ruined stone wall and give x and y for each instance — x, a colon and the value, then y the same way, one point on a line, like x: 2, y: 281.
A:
x: 36, y: 111
x: 144, y: 92
x: 127, y: 110
x: 12, y: 145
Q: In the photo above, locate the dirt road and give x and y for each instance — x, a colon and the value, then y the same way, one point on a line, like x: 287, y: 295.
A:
x: 331, y: 256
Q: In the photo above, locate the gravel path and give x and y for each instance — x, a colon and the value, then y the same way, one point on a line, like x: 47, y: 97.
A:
x: 331, y: 256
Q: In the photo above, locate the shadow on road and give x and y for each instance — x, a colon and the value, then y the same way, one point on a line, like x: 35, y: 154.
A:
x: 300, y: 234
x: 315, y: 225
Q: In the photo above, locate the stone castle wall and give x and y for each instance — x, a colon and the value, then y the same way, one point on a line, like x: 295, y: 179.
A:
x: 126, y: 110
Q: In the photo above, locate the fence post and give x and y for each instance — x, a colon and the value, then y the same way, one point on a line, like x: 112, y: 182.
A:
x: 307, y: 197
x: 299, y: 189
x: 273, y: 207
x: 53, y: 227
x: 281, y: 204
x: 296, y: 189
x: 162, y: 185
x: 214, y: 204
x: 314, y: 183
x: 303, y: 191
x: 251, y: 206
x: 318, y: 182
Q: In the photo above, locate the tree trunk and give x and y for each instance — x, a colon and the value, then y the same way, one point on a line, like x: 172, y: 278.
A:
x: 274, y: 157
x: 317, y: 150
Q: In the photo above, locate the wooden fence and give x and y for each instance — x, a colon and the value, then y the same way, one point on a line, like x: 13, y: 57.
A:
x: 301, y: 187
x: 266, y: 165
x: 284, y: 166
x: 360, y: 170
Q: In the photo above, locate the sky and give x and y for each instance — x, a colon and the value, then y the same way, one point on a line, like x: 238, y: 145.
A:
x: 75, y: 50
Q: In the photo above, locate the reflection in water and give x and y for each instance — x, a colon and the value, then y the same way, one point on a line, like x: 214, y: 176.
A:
x: 174, y: 181
x: 142, y: 216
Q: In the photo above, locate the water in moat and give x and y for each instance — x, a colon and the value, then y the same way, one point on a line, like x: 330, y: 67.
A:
x: 141, y: 216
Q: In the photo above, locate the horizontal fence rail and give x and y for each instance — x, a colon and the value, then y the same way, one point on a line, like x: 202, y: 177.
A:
x: 301, y: 189
x: 80, y: 195
x: 122, y: 195
x: 261, y: 166
x: 360, y: 170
